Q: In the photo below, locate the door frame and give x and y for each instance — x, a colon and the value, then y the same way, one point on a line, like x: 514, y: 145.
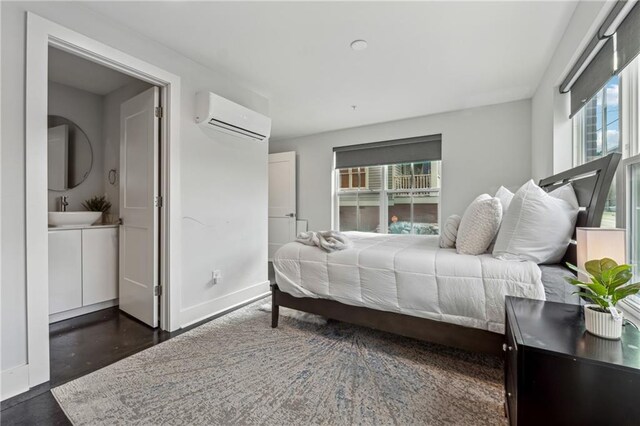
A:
x: 42, y: 33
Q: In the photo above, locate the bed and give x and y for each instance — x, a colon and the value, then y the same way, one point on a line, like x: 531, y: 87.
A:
x: 406, y: 284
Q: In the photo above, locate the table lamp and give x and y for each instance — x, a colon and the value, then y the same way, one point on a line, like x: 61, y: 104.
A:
x: 597, y: 243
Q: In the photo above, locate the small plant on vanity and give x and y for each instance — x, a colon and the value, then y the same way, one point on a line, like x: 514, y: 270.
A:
x: 99, y: 203
x: 607, y: 286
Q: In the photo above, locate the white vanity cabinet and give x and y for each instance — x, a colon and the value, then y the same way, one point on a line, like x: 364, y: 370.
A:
x: 65, y: 270
x: 83, y: 270
x: 99, y: 265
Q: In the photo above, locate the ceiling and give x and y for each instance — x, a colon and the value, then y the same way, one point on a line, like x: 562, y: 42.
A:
x: 74, y: 71
x: 423, y: 57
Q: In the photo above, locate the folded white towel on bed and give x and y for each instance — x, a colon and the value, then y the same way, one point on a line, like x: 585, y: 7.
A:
x: 328, y: 241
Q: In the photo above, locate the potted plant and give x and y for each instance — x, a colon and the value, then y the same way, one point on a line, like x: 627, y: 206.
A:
x: 99, y: 203
x: 607, y: 286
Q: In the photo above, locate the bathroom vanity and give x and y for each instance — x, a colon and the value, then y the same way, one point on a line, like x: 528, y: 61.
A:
x: 83, y: 270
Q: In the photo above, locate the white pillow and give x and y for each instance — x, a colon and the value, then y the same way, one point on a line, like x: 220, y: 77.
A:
x: 450, y: 231
x: 505, y: 196
x: 479, y: 225
x: 538, y: 225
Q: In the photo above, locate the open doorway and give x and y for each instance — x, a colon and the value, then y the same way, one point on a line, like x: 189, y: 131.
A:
x: 103, y: 178
x: 42, y: 35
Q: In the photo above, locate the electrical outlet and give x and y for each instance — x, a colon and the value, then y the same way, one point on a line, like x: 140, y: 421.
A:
x: 216, y: 277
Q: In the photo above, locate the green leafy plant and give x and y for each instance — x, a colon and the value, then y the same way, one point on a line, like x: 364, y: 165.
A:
x: 608, y: 282
x: 99, y: 203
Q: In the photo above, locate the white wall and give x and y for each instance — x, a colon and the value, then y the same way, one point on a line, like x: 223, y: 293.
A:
x: 85, y: 110
x: 216, y: 171
x: 551, y: 149
x: 482, y: 148
x: 111, y: 136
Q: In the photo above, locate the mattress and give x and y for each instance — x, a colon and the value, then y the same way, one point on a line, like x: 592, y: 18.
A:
x: 409, y: 274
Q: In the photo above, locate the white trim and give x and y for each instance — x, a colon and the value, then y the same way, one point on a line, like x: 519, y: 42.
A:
x: 222, y: 304
x: 40, y: 34
x: 631, y: 311
x: 14, y: 381
x: 61, y: 316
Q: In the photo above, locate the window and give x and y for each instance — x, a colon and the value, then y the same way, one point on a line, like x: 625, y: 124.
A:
x: 397, y: 199
x: 610, y: 122
x: 597, y: 133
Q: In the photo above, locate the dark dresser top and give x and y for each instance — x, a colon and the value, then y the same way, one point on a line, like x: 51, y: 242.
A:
x: 559, y: 328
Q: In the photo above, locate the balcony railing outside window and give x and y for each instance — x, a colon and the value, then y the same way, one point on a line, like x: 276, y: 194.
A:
x: 412, y: 182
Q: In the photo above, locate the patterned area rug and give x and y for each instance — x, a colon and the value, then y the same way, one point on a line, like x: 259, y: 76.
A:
x: 237, y: 370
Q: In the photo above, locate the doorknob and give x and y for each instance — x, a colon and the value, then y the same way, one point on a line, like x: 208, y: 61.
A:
x: 291, y: 215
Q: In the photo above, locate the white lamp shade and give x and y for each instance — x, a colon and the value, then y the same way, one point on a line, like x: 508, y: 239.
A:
x: 597, y: 243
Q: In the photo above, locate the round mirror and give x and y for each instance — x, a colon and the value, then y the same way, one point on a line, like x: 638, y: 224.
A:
x: 70, y: 156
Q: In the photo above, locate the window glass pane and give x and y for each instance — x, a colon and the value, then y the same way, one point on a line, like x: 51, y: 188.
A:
x: 400, y: 221
x: 592, y: 132
x: 369, y: 212
x: 359, y: 211
x: 372, y: 178
x: 425, y: 212
x: 612, y: 115
x: 348, y: 209
x: 609, y: 214
x: 344, y: 180
x: 400, y: 177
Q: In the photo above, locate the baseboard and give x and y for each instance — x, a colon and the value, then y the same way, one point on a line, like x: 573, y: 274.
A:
x: 25, y: 396
x: 61, y: 316
x: 14, y: 381
x: 227, y: 302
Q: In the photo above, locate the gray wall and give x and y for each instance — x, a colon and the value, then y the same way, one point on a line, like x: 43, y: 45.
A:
x: 85, y: 110
x: 231, y: 231
x: 482, y: 148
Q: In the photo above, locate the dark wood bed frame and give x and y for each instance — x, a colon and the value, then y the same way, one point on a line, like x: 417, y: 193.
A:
x: 591, y: 182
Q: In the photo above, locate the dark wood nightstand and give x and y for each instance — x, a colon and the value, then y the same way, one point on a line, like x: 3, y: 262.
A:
x: 557, y: 373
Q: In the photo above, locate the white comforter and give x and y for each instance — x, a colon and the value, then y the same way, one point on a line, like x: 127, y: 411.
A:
x: 409, y: 274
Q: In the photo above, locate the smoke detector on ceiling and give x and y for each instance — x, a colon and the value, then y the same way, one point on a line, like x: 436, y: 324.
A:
x: 359, y: 44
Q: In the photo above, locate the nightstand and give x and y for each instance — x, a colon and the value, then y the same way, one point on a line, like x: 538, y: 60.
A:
x: 557, y: 373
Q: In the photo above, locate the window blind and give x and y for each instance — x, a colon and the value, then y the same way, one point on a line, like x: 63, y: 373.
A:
x: 620, y: 47
x: 593, y: 78
x: 628, y: 38
x: 409, y: 150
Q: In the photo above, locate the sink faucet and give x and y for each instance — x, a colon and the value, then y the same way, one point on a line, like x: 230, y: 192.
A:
x: 63, y: 203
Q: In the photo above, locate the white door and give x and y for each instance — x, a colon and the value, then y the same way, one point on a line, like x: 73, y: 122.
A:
x: 138, y: 272
x: 282, y: 200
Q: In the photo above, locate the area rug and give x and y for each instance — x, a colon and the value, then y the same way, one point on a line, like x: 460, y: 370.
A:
x: 238, y: 370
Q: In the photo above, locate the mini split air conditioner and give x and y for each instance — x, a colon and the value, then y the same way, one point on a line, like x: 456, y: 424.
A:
x: 217, y: 113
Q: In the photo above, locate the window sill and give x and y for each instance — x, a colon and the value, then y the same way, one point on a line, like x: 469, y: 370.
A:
x: 631, y: 309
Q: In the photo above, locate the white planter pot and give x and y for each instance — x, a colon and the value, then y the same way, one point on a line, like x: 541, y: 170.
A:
x: 602, y: 324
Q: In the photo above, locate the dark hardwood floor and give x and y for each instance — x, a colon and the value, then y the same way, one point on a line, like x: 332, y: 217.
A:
x: 79, y: 346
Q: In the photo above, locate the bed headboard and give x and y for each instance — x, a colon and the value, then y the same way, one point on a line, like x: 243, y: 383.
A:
x: 591, y: 182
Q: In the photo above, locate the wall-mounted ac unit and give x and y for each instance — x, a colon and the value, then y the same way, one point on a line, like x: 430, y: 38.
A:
x: 218, y: 113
